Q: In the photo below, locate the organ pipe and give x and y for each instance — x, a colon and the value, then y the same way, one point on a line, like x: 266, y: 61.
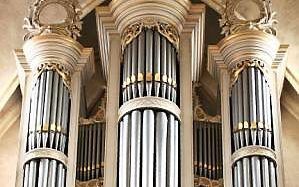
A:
x: 251, y: 112
x: 148, y: 153
x: 48, y: 129
x: 207, y: 148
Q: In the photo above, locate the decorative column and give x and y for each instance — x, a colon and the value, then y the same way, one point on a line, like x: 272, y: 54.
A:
x: 149, y: 118
x: 51, y: 67
x: 143, y: 44
x: 250, y: 84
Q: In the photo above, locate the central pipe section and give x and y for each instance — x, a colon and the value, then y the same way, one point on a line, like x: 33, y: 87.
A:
x: 149, y: 119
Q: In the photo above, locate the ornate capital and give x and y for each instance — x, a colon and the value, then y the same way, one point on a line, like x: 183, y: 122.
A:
x: 243, y: 15
x: 66, y: 22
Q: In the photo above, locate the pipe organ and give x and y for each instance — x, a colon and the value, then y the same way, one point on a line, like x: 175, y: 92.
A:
x: 149, y: 133
x: 91, y: 148
x: 153, y: 131
x: 48, y: 129
x: 252, y: 125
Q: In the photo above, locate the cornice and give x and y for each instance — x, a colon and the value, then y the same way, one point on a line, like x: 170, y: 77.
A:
x: 182, y: 15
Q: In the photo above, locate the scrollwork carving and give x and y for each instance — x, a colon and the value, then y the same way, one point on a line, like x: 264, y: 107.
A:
x: 231, y: 23
x: 201, y: 115
x: 91, y: 183
x: 164, y: 29
x: 71, y: 25
x: 240, y: 66
x: 206, y: 182
x: 60, y: 69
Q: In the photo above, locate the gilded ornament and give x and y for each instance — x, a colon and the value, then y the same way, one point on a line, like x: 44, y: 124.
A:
x: 233, y: 21
x: 60, y: 69
x: 240, y: 66
x: 157, y: 77
x: 133, y: 79
x: 149, y: 76
x: 201, y: 115
x: 91, y: 183
x: 165, y: 29
x: 206, y: 182
x: 164, y: 78
x: 140, y: 77
x: 71, y: 25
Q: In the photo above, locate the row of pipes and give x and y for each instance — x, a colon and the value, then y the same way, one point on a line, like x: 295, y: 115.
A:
x: 252, y: 125
x: 149, y: 67
x: 148, y: 149
x: 48, y: 128
x: 148, y: 153
x: 90, y: 153
x: 208, y: 149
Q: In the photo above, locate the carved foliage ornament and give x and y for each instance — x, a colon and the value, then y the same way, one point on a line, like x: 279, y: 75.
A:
x: 164, y: 29
x: 60, y: 69
x: 203, y: 181
x: 201, y: 115
x: 90, y: 183
x: 69, y: 26
x: 240, y: 15
x: 239, y: 67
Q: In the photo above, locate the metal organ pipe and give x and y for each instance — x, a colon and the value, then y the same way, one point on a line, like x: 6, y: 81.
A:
x: 48, y: 129
x: 149, y: 141
x: 252, y: 123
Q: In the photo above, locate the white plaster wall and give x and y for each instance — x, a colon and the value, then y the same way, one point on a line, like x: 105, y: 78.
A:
x: 290, y: 144
x: 8, y: 156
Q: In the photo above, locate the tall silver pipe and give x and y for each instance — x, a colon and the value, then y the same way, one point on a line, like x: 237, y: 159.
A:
x: 26, y: 175
x: 149, y: 61
x: 141, y: 61
x: 102, y: 149
x: 135, y: 149
x: 171, y: 151
x: 129, y: 72
x: 200, y: 150
x: 176, y: 153
x: 148, y: 132
x: 246, y: 162
x: 157, y: 57
x: 121, y: 168
x: 195, y: 147
x: 161, y: 149
x: 125, y: 155
x: 173, y: 71
x: 164, y: 66
x: 169, y: 69
x: 134, y: 68
x: 125, y: 75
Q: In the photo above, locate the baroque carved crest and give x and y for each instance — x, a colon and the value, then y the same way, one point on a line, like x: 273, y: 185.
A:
x: 242, y: 15
x: 165, y: 29
x: 37, y: 23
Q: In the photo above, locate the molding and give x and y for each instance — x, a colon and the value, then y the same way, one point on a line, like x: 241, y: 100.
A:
x: 9, y: 90
x: 182, y: 15
x: 253, y: 150
x: 292, y: 78
x: 88, y: 5
x: 149, y: 102
x: 54, y: 50
x: 245, y: 47
x: 46, y: 153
